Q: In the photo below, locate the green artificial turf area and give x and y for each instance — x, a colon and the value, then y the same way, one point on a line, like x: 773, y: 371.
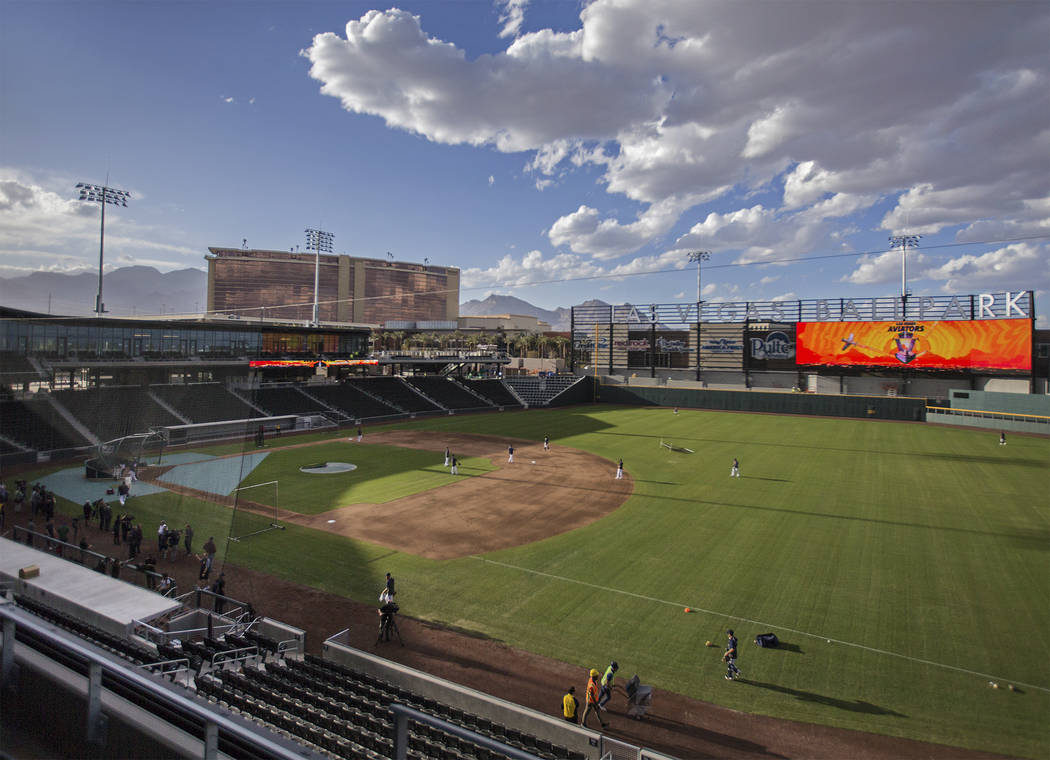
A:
x: 383, y: 473
x: 903, y: 566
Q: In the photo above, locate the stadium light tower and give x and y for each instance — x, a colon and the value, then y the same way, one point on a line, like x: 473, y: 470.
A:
x: 699, y: 257
x: 904, y: 242
x: 102, y: 194
x: 319, y: 241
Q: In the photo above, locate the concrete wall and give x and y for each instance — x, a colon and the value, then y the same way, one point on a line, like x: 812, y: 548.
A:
x: 547, y: 727
x: 1010, y: 403
x: 991, y: 422
x: 1002, y: 384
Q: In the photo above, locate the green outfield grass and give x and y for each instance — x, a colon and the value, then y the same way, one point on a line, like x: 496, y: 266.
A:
x: 383, y: 473
x: 902, y: 565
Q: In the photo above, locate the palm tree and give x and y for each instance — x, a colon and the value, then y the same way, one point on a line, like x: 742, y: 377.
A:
x: 564, y: 346
x: 532, y: 343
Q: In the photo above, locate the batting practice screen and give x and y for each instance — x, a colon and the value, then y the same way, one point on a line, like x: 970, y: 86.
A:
x: 986, y: 344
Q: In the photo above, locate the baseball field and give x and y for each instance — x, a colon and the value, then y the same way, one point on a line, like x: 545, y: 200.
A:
x: 904, y: 567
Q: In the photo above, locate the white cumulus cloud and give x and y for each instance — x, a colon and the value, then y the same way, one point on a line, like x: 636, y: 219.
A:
x: 676, y: 104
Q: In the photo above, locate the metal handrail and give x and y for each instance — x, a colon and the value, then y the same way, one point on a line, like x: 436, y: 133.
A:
x: 234, y: 655
x: 185, y: 665
x: 1035, y: 418
x: 212, y: 720
x: 403, y: 714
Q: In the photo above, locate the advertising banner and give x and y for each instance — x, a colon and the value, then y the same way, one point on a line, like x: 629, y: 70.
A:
x: 985, y: 344
x: 262, y: 363
x: 772, y: 348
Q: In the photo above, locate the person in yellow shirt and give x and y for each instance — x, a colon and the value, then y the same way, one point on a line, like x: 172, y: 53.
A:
x: 569, y: 705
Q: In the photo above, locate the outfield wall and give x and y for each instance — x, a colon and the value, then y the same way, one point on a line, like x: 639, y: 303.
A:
x: 1010, y: 403
x: 926, y: 385
x: 1008, y: 412
x: 862, y: 407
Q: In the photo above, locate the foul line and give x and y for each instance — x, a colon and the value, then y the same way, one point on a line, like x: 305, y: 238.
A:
x: 757, y: 622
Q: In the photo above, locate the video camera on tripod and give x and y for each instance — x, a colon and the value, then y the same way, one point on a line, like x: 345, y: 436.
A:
x: 387, y: 622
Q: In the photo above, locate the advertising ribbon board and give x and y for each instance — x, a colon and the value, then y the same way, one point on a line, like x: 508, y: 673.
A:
x: 261, y: 363
x: 984, y: 344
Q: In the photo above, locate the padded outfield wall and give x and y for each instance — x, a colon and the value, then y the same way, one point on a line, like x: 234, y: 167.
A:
x: 862, y: 407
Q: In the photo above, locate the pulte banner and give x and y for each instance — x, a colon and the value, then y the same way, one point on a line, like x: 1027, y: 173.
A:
x: 772, y: 348
x: 986, y: 344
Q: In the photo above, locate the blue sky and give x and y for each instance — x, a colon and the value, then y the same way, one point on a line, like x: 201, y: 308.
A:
x: 544, y: 141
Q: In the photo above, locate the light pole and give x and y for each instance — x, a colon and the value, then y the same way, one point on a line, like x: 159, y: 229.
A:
x: 319, y: 241
x: 904, y: 242
x: 102, y: 194
x: 699, y: 257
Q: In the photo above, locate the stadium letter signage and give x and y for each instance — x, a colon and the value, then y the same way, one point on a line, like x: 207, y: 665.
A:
x: 980, y: 344
x: 1006, y: 305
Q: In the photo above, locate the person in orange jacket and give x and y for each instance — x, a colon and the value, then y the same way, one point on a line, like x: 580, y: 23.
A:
x: 592, y: 700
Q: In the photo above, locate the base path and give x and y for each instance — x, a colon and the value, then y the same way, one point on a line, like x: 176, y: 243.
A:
x: 514, y: 504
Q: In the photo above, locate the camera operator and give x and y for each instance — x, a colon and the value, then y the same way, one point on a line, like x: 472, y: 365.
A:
x: 386, y: 617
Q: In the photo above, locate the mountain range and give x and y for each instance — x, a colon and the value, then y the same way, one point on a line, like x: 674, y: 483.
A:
x: 144, y: 290
x: 127, y: 290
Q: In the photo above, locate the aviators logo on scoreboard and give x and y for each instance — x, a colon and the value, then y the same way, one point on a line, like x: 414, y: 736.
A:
x: 986, y: 344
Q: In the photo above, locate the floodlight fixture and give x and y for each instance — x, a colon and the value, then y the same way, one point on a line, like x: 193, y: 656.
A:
x: 319, y: 241
x: 904, y: 242
x: 699, y: 257
x: 102, y: 194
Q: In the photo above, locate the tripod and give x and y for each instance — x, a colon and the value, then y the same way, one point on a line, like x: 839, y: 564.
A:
x: 387, y: 626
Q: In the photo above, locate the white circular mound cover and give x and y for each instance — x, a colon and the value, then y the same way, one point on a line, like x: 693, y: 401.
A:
x: 328, y: 468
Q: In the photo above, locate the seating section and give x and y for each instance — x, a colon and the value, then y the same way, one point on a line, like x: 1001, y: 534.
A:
x: 113, y: 412
x: 446, y: 392
x: 351, y: 400
x: 134, y: 653
x: 538, y: 391
x: 204, y: 402
x: 284, y: 400
x: 323, y: 705
x: 394, y: 391
x: 494, y: 390
x: 346, y: 713
x: 37, y: 424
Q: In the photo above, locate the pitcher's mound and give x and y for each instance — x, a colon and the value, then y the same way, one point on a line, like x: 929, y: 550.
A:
x: 323, y: 468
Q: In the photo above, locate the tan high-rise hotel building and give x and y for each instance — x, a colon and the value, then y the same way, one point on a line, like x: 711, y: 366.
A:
x: 280, y: 285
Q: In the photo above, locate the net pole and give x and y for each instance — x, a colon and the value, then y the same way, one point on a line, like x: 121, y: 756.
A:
x: 274, y: 524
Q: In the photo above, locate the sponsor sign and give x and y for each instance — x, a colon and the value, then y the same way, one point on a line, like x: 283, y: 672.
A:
x: 263, y: 363
x: 772, y: 348
x: 722, y: 345
x: 663, y: 345
x: 985, y: 344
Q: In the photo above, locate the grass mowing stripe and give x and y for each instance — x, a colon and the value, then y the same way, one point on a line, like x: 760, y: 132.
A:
x: 756, y: 622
